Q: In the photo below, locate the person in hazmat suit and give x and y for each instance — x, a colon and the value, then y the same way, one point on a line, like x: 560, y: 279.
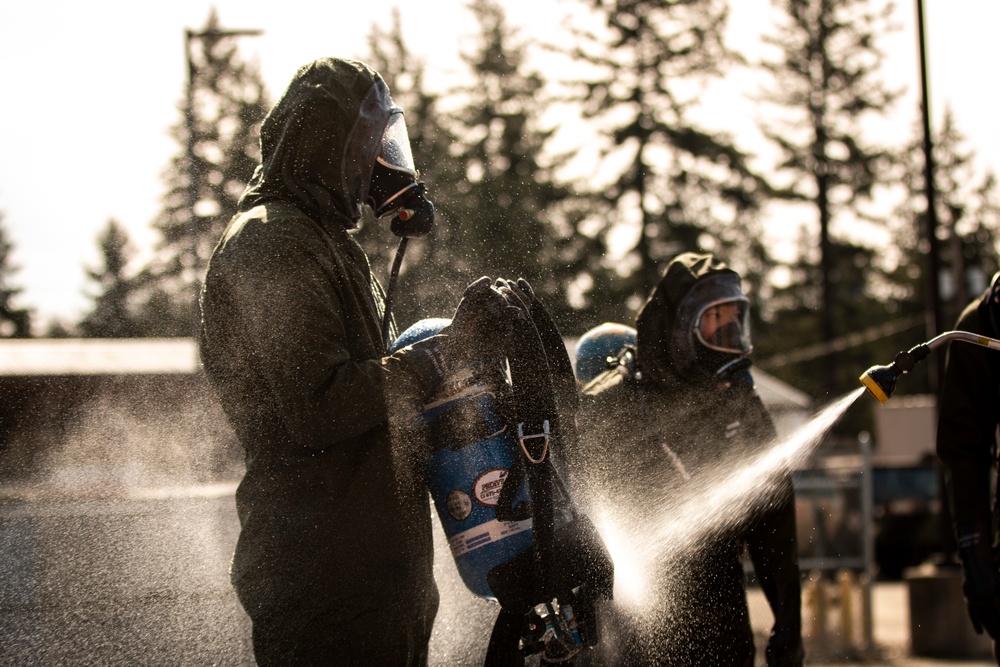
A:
x: 967, y: 448
x: 334, y: 559
x: 655, y: 442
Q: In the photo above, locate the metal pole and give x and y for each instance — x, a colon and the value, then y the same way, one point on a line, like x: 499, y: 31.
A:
x: 935, y: 315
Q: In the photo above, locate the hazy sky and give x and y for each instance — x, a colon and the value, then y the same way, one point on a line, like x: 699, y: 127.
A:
x: 91, y: 88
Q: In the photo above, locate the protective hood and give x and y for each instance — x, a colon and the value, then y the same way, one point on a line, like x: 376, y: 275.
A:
x: 320, y: 141
x: 666, y: 341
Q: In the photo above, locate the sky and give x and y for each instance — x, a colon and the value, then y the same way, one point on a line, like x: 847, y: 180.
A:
x: 91, y: 89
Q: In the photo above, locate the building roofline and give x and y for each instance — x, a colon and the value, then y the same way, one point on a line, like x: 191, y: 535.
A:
x: 34, y: 357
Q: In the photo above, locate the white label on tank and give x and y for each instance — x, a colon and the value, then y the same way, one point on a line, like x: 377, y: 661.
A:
x: 485, y: 533
x: 487, y: 487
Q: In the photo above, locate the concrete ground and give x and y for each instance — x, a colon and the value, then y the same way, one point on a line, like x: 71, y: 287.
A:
x: 891, y: 632
x: 140, y: 578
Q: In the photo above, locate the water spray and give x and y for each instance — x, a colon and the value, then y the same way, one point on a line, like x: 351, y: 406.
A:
x: 880, y: 381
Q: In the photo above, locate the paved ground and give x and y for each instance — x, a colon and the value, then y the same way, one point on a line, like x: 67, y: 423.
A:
x: 891, y: 633
x: 141, y: 579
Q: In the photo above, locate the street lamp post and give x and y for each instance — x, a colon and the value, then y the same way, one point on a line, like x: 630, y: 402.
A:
x: 211, y: 33
x: 933, y: 268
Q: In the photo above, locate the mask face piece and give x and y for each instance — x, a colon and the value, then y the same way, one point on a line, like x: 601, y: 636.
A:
x: 395, y: 191
x: 388, y: 187
x: 724, y: 326
x: 396, y: 153
x: 711, y: 328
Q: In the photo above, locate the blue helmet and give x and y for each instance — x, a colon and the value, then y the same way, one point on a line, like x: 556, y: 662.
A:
x: 596, y: 346
x: 418, y: 331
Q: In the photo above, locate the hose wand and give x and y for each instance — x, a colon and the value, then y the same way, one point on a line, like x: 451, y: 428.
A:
x: 880, y: 381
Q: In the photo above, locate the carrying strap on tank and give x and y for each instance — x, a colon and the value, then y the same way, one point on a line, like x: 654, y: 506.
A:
x: 543, y: 405
x: 567, y: 561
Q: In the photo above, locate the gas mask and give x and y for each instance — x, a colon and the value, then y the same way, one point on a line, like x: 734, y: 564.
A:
x: 395, y: 191
x: 723, y: 334
x: 711, y: 334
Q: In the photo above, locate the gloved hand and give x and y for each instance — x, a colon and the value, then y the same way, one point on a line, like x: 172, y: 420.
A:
x: 478, y: 334
x: 519, y: 292
x: 482, y: 323
x: 982, y: 579
x: 784, y: 647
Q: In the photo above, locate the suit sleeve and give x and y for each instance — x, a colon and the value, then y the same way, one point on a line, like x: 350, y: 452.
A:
x: 292, y: 316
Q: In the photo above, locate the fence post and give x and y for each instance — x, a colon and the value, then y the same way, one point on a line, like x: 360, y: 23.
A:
x: 816, y: 595
x: 845, y: 581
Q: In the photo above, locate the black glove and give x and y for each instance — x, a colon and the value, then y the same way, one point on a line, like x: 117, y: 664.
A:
x: 518, y: 293
x: 483, y: 321
x: 477, y: 335
x: 784, y: 647
x: 982, y: 580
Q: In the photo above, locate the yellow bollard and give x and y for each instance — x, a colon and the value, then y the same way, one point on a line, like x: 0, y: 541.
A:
x: 816, y: 603
x: 846, y: 582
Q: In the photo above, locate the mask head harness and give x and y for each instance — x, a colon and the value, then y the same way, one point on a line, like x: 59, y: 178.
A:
x: 395, y: 190
x: 711, y: 333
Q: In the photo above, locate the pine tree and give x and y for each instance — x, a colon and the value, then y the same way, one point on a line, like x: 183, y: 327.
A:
x: 968, y: 210
x: 508, y: 207
x: 427, y: 286
x: 228, y: 103
x: 15, y: 322
x: 483, y: 164
x: 825, y: 87
x: 676, y: 185
x: 114, y: 290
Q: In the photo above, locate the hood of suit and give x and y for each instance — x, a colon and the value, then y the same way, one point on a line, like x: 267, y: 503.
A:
x: 665, y: 341
x: 320, y: 141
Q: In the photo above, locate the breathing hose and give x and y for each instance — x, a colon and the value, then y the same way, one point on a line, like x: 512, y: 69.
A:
x: 390, y: 290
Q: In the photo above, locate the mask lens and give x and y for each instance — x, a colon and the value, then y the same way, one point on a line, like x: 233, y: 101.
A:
x: 396, y: 144
x: 725, y: 326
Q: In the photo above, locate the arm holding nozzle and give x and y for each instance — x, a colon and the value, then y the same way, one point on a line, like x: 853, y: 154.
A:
x: 880, y: 381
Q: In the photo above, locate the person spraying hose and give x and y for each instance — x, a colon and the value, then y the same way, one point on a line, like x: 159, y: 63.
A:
x: 968, y: 418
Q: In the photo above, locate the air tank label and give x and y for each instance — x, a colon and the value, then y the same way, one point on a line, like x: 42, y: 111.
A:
x: 459, y: 505
x: 487, y: 487
x: 485, y: 533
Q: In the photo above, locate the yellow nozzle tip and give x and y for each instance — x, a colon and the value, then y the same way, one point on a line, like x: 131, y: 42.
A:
x: 873, y: 388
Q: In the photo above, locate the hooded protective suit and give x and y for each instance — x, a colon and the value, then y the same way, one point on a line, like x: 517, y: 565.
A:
x: 333, y: 562
x: 967, y: 446
x: 654, y: 442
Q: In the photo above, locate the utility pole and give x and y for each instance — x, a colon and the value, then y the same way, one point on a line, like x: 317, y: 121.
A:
x: 935, y: 314
x: 210, y: 35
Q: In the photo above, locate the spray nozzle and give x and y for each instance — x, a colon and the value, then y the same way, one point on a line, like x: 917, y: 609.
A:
x: 880, y: 381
